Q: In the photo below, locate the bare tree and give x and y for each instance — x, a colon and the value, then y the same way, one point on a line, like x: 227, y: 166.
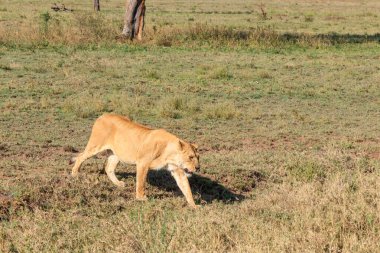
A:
x: 134, y: 19
x: 97, y: 5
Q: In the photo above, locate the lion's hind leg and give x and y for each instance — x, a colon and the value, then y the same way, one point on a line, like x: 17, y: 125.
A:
x: 112, y: 162
x: 97, y: 143
x: 88, y: 152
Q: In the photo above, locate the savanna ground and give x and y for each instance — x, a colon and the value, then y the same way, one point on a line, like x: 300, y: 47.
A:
x: 284, y: 104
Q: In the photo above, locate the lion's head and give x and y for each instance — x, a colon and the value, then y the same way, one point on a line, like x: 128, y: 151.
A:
x: 188, y: 157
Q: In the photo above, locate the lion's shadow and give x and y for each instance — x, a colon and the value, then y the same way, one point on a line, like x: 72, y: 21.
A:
x: 208, y: 189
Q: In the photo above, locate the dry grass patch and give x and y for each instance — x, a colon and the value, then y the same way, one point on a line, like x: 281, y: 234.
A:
x: 221, y: 74
x: 90, y: 105
x: 224, y: 111
x: 69, y: 28
x: 89, y: 28
x: 86, y: 105
x: 177, y: 107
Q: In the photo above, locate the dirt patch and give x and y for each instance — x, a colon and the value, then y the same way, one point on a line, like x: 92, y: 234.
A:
x: 8, y: 205
x: 283, y: 143
x: 36, y: 152
x: 3, y: 150
x: 244, y: 183
x: 5, y: 205
x: 260, y: 144
x: 70, y: 149
x: 66, y: 193
x: 374, y: 155
x: 206, y: 187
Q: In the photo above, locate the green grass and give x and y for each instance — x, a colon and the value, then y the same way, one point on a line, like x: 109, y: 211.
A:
x: 285, y: 112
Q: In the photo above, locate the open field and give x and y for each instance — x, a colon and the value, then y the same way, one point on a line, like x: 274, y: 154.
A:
x: 286, y: 110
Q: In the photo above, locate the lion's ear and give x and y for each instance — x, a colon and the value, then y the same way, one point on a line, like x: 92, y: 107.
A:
x: 195, y: 146
x: 181, y: 144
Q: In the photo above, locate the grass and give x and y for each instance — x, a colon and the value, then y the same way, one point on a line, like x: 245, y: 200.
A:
x: 284, y: 109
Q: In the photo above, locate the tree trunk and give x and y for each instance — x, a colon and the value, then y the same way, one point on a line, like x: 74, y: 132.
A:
x: 134, y: 19
x: 97, y: 5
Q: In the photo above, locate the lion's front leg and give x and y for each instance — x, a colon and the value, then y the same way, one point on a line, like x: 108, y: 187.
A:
x: 183, y: 183
x: 141, y: 174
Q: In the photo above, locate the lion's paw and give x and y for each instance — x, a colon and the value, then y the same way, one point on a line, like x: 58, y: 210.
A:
x: 120, y: 184
x: 142, y: 198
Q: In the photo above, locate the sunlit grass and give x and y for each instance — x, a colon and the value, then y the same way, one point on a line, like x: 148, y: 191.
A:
x: 284, y: 109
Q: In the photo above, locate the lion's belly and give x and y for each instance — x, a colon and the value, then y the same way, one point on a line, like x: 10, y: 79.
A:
x: 128, y: 162
x: 160, y: 167
x: 124, y: 156
x: 125, y: 151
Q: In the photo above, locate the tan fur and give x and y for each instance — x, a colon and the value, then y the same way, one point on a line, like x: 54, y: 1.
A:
x: 147, y: 148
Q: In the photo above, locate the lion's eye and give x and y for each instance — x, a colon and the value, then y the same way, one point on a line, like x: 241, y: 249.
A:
x: 191, y: 157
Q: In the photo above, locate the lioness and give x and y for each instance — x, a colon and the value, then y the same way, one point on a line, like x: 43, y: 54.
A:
x: 147, y: 148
